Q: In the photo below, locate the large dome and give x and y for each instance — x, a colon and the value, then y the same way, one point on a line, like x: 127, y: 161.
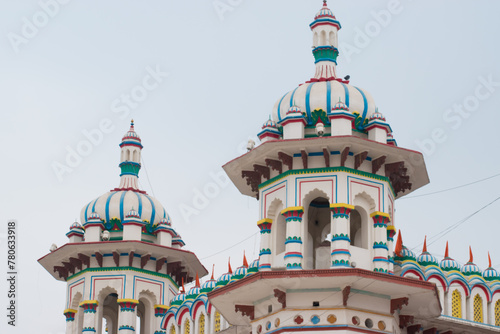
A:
x: 324, y: 95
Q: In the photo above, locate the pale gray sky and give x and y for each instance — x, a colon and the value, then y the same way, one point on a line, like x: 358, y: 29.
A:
x: 225, y: 72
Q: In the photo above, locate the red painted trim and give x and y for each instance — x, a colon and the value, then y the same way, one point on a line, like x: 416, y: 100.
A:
x: 101, y: 225
x: 71, y: 293
x: 325, y: 24
x: 440, y: 279
x: 330, y: 273
x: 130, y: 189
x: 93, y: 282
x: 324, y: 180
x: 269, y: 134
x: 347, y: 117
x: 347, y: 328
x: 488, y: 297
x: 133, y: 224
x: 377, y: 126
x: 166, y: 320
x: 149, y: 282
x: 195, y: 307
x: 186, y: 309
x: 413, y: 271
x: 293, y: 120
x: 363, y: 184
x: 462, y: 284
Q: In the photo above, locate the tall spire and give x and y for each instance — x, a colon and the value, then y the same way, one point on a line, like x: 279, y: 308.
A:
x: 130, y: 160
x: 399, y: 245
x: 229, y: 269
x: 489, y: 260
x: 446, y: 252
x: 424, y: 250
x: 471, y: 257
x: 325, y: 28
x: 245, y: 262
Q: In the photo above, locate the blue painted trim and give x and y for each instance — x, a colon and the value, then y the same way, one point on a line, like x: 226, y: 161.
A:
x: 121, y: 204
x: 129, y: 163
x: 340, y: 252
x: 381, y: 260
x: 107, y: 205
x: 319, y: 177
x: 380, y: 247
x: 152, y: 280
x: 346, y: 91
x: 279, y: 107
x: 365, y: 110
x: 308, y: 100
x: 133, y: 174
x: 266, y: 190
x: 326, y: 59
x: 329, y: 96
x: 365, y: 180
x: 293, y: 242
x: 86, y: 209
x: 153, y: 212
x: 139, y: 199
x: 293, y: 255
x: 164, y: 213
x: 93, y: 206
x: 123, y: 143
x: 326, y: 20
x: 291, y: 98
x: 107, y: 275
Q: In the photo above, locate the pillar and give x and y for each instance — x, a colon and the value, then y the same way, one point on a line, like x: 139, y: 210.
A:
x: 265, y: 244
x: 160, y: 311
x: 380, y: 248
x: 127, y: 316
x: 391, y: 232
x: 89, y: 316
x: 293, y: 243
x: 70, y: 321
x: 340, y: 243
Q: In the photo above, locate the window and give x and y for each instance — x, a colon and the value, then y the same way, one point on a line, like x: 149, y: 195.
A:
x: 456, y: 304
x: 497, y: 313
x: 172, y: 329
x: 478, y: 308
x: 187, y: 327
x: 201, y: 324
x: 217, y: 322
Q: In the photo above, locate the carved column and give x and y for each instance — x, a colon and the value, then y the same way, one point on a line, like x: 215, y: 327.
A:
x: 127, y: 317
x: 293, y: 243
x: 89, y: 315
x: 380, y: 247
x: 391, y: 232
x: 160, y: 311
x: 70, y: 320
x: 341, y: 241
x: 265, y: 244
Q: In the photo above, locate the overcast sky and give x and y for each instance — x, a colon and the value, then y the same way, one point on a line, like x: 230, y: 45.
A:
x: 431, y: 66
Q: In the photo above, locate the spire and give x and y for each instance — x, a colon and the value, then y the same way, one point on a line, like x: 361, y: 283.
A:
x: 197, y: 280
x: 446, y: 252
x: 489, y: 260
x: 424, y: 250
x: 182, y: 286
x: 245, y: 262
x: 130, y: 160
x: 399, y: 245
x: 213, y: 268
x: 471, y: 257
x: 229, y: 270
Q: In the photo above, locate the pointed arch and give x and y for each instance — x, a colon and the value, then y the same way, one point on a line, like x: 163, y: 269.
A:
x: 323, y: 38
x: 315, y: 40
x: 313, y: 194
x: 331, y: 38
x: 365, y: 200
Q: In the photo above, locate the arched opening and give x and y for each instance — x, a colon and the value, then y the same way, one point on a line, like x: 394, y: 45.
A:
x: 323, y: 38
x: 110, y: 314
x: 478, y: 308
x: 201, y: 324
x: 456, y: 304
x: 134, y: 155
x: 77, y: 299
x: 497, y: 313
x: 217, y: 322
x: 331, y: 38
x: 145, y: 312
x: 315, y: 39
x: 319, y: 226
x: 358, y: 230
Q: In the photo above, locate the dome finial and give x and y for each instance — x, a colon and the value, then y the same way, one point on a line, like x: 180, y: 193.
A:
x: 229, y: 270
x: 446, y: 252
x: 245, y: 262
x: 197, y: 280
x: 132, y: 124
x: 182, y: 285
x: 325, y: 4
x: 213, y: 269
x: 471, y: 257
x: 424, y: 250
x: 399, y: 244
x: 489, y: 260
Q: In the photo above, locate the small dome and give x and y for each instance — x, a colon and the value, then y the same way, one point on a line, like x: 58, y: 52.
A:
x: 324, y: 12
x: 270, y: 124
x: 208, y: 285
x: 426, y: 259
x: 133, y: 214
x: 377, y: 116
x: 164, y: 222
x: 254, y: 266
x: 178, y: 299
x: 470, y: 269
x: 240, y: 272
x: 224, y: 279
x: 76, y: 226
x: 131, y: 135
x: 448, y: 264
x: 193, y: 292
x: 294, y: 110
x: 491, y: 274
x: 408, y: 254
x: 94, y: 216
x: 340, y: 106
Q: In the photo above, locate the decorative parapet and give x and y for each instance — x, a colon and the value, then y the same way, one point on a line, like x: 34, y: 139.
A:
x: 265, y: 225
x: 391, y: 232
x: 70, y: 314
x: 89, y: 306
x: 380, y: 219
x: 127, y: 305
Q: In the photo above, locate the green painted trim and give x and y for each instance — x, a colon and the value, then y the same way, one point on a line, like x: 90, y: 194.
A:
x: 116, y: 238
x: 327, y: 170
x: 372, y: 294
x: 142, y: 271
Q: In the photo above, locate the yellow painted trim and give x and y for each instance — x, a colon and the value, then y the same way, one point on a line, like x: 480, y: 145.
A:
x: 382, y: 214
x: 89, y: 302
x: 264, y: 221
x: 391, y: 228
x: 165, y: 307
x: 133, y: 301
x: 69, y: 310
x: 292, y: 208
x: 341, y: 205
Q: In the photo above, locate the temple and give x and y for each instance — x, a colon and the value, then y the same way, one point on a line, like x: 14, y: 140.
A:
x: 327, y: 175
